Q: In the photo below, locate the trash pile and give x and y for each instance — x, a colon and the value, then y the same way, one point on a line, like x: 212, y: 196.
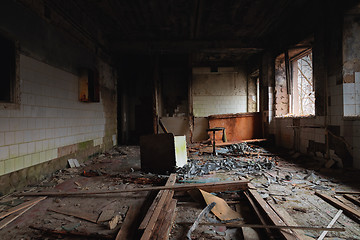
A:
x: 244, y: 148
x: 241, y: 166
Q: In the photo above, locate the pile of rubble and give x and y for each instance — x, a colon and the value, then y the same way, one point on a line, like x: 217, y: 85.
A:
x: 239, y: 166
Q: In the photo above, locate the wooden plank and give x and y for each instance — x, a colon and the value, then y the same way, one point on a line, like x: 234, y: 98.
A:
x: 166, y: 197
x: 6, y: 221
x: 209, y: 187
x: 83, y: 235
x: 127, y: 227
x: 261, y: 218
x: 288, y: 220
x: 333, y: 221
x: 347, y: 192
x: 352, y: 199
x: 81, y: 215
x: 165, y: 222
x: 21, y: 206
x: 238, y: 225
x: 144, y: 223
x: 274, y: 218
x: 349, y: 210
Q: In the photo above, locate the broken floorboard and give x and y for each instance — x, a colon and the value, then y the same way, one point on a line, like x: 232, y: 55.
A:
x: 209, y: 187
x: 170, y: 182
x: 165, y: 198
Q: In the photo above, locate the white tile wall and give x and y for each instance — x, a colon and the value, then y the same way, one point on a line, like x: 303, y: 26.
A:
x: 209, y: 105
x: 50, y: 116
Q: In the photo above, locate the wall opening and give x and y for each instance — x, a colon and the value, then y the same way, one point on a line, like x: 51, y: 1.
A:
x: 294, y: 84
x: 7, y: 70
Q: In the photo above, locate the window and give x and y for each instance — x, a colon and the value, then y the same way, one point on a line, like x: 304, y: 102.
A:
x: 294, y: 84
x: 89, y: 86
x: 303, y: 94
x: 7, y: 70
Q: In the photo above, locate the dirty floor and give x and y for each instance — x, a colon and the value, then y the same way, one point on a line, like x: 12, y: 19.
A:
x: 288, y: 185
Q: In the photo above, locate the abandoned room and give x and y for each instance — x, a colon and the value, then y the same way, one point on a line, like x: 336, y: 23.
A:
x: 180, y: 119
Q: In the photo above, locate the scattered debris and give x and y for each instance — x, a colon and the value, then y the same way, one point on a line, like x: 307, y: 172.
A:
x: 114, y: 222
x: 73, y: 163
x: 221, y: 209
x: 205, y: 211
x: 91, y: 173
x: 242, y: 166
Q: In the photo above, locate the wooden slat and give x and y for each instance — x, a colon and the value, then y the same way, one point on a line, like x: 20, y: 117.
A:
x: 209, y: 187
x: 352, y: 199
x: 127, y: 228
x: 347, y: 192
x: 274, y: 218
x: 6, y: 221
x: 81, y: 215
x: 166, y: 197
x: 349, y: 210
x: 21, y: 206
x: 144, y: 223
x: 333, y: 221
x: 165, y: 222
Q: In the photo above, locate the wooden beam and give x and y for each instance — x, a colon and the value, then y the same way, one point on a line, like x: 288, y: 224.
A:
x: 333, y: 221
x: 352, y: 199
x: 165, y: 222
x: 145, y: 221
x: 348, y: 210
x: 347, y: 192
x: 186, y: 46
x: 165, y: 197
x: 127, y: 227
x: 209, y: 187
x: 21, y: 206
x: 274, y: 218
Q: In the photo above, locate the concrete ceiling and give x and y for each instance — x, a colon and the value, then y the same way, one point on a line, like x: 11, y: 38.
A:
x: 219, y: 30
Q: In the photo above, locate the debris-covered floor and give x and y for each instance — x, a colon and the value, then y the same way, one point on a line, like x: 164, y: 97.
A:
x: 116, y: 198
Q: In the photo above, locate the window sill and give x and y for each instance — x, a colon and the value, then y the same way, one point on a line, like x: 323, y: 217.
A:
x: 297, y: 117
x: 5, y: 106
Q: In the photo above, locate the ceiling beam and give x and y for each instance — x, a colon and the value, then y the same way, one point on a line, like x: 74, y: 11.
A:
x: 182, y: 46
